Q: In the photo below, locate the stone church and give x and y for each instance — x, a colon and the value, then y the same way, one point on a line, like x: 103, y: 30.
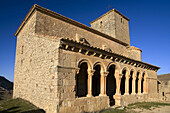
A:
x: 65, y: 66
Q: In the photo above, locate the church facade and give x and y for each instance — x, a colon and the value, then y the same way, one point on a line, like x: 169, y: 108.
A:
x: 62, y: 65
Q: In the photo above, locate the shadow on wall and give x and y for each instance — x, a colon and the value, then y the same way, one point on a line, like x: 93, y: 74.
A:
x: 16, y: 110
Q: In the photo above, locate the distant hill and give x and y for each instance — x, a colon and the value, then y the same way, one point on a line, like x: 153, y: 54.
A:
x: 18, y: 106
x: 6, y: 88
x: 164, y: 77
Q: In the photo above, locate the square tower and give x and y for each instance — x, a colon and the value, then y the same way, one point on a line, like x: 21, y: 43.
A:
x: 114, y: 24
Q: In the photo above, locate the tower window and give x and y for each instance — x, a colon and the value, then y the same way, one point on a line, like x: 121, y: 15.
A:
x: 101, y: 24
x: 122, y: 20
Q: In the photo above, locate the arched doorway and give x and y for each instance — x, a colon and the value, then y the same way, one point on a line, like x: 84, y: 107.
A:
x: 111, y: 84
x: 81, y: 81
x: 96, y: 81
x: 122, y: 85
x: 137, y: 79
x: 130, y: 82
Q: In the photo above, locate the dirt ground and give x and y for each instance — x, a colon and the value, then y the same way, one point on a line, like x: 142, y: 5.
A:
x: 141, y: 107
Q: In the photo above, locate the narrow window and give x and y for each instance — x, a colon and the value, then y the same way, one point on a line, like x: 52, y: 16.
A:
x: 22, y: 49
x: 101, y: 24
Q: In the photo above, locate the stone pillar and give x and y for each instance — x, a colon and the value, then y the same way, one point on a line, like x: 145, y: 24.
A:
x: 133, y: 84
x: 139, y: 85
x: 89, y: 85
x: 103, y: 83
x: 127, y: 85
x: 145, y: 86
x: 117, y: 96
x: 118, y: 82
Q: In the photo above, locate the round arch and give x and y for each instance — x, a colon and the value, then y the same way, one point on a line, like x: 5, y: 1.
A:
x: 134, y: 72
x: 127, y: 71
x: 85, y: 61
x: 103, y: 67
x: 117, y: 67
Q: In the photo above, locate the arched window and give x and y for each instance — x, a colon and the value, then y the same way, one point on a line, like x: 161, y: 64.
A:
x: 111, y: 84
x: 142, y: 83
x: 130, y: 82
x: 96, y: 81
x: 122, y: 85
x: 137, y: 79
x: 81, y: 81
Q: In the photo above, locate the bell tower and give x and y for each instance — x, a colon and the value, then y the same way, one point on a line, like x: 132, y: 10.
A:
x: 114, y: 24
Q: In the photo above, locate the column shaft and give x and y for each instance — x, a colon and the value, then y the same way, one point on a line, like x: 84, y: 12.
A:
x: 127, y: 85
x: 139, y: 85
x: 145, y: 86
x: 89, y: 85
x: 133, y: 85
x: 103, y: 83
x: 118, y: 82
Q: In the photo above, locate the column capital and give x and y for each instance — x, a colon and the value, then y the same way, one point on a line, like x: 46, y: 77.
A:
x: 104, y: 73
x: 118, y: 76
x: 90, y: 72
x: 128, y: 76
x: 77, y: 70
x: 134, y: 77
x: 140, y: 78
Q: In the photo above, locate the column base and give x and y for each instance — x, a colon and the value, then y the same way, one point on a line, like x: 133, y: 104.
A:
x: 88, y: 95
x: 102, y: 95
x: 117, y: 99
x: 126, y: 94
x: 145, y: 93
x: 139, y: 93
x: 133, y: 93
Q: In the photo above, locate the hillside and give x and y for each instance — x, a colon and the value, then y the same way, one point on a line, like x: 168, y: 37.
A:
x: 18, y: 106
x: 6, y: 88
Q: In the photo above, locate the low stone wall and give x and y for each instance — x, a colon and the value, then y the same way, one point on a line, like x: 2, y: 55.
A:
x: 84, y: 104
x: 129, y: 99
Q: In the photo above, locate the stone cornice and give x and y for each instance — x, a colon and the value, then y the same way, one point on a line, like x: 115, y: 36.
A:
x: 135, y: 48
x: 65, y: 19
x: 68, y: 44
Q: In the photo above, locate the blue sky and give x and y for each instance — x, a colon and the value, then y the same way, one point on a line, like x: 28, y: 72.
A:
x: 149, y: 25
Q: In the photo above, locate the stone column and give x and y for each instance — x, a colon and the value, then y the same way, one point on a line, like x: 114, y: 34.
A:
x: 117, y: 96
x: 139, y: 85
x: 118, y: 82
x: 134, y: 84
x: 127, y: 85
x: 103, y: 83
x: 89, y: 85
x: 145, y: 86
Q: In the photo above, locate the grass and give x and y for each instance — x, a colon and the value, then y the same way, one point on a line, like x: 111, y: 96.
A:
x: 114, y: 110
x: 23, y: 106
x: 130, y: 108
x: 147, y: 105
x: 18, y: 106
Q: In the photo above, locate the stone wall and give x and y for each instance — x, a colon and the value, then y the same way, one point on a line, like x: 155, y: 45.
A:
x: 113, y: 24
x: 47, y: 25
x: 164, y: 91
x: 35, y: 77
